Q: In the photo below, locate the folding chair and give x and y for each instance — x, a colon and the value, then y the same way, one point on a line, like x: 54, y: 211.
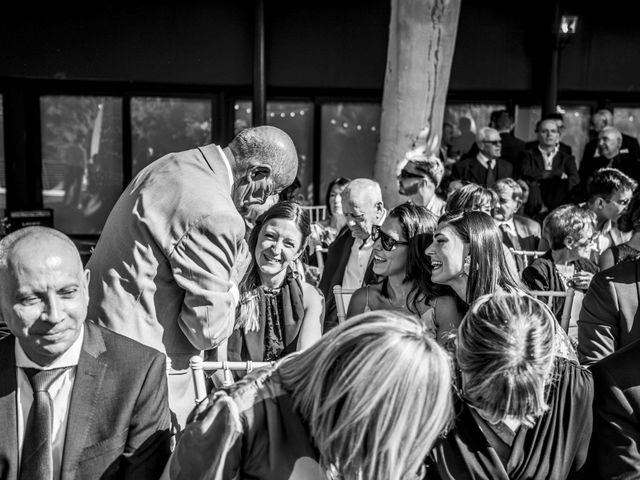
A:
x: 317, y: 213
x: 526, y: 256
x: 548, y: 297
x: 198, y: 367
x: 320, y: 252
x: 338, y: 292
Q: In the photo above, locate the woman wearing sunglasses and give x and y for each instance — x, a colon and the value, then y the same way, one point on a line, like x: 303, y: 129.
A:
x: 398, y: 259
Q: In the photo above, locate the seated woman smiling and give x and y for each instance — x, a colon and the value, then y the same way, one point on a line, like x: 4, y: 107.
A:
x: 399, y: 260
x: 278, y: 312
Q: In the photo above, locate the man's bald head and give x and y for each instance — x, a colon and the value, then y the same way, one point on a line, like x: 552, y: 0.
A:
x: 362, y: 206
x: 36, y: 238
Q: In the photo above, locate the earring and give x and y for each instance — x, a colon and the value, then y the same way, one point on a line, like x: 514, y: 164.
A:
x: 466, y: 265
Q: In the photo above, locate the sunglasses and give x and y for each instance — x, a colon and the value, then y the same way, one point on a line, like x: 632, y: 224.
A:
x: 405, y: 174
x: 495, y: 143
x: 386, y: 241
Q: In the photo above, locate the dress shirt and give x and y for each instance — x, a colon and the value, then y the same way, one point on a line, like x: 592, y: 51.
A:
x: 356, y: 266
x: 60, y: 392
x: 486, y: 161
x: 548, y: 157
x: 510, y: 225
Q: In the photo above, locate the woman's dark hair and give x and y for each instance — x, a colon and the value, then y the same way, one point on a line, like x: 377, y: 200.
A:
x: 418, y: 225
x: 282, y: 210
x: 629, y: 221
x: 489, y: 269
x: 340, y: 182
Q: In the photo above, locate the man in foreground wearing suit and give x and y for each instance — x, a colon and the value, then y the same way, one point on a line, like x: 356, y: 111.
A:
x: 518, y: 232
x: 615, y: 443
x: 607, y: 320
x: 166, y: 268
x: 348, y: 259
x: 76, y: 400
x: 486, y: 167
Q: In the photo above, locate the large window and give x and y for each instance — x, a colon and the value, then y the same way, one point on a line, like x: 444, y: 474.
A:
x: 295, y: 118
x: 81, y: 159
x: 349, y: 141
x: 627, y: 120
x: 164, y: 125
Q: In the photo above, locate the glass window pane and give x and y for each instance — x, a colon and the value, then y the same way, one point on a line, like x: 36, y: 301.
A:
x: 81, y: 160
x: 164, y: 125
x: 576, y: 126
x: 3, y: 183
x: 627, y: 120
x: 467, y: 119
x: 295, y: 118
x: 349, y: 141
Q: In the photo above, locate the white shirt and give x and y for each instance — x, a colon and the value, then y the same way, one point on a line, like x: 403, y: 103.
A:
x: 511, y: 226
x: 548, y: 157
x: 486, y: 161
x: 356, y: 266
x: 60, y: 391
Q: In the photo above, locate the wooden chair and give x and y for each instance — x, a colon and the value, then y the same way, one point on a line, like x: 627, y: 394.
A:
x: 320, y: 253
x: 338, y: 292
x: 317, y: 213
x: 526, y: 255
x: 198, y: 367
x: 548, y: 297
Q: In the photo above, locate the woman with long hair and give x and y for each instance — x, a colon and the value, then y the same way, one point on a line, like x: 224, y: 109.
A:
x: 367, y: 401
x: 467, y: 254
x: 398, y: 258
x: 278, y: 312
x: 523, y: 410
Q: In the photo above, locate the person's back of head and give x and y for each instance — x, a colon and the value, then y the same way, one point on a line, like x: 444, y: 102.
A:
x: 375, y: 394
x: 472, y: 197
x: 503, y: 121
x: 568, y: 224
x: 602, y: 118
x: 505, y: 351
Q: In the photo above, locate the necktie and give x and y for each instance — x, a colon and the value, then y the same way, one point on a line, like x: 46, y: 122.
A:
x: 491, y: 173
x: 510, y: 239
x: 37, y: 459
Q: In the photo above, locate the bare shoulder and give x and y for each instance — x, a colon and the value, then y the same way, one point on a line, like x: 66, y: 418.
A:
x: 311, y: 294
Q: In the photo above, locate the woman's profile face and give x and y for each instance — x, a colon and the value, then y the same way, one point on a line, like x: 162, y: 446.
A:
x: 278, y: 247
x: 447, y: 253
x: 335, y: 199
x: 393, y: 262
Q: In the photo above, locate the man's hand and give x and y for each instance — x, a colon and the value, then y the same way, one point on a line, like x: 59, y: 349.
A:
x: 241, y: 263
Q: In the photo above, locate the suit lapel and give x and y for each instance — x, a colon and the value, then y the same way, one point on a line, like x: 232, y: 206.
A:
x: 557, y: 161
x: 8, y: 412
x: 86, y: 392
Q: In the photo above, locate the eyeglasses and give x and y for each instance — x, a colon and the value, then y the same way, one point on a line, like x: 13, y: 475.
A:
x: 405, y: 174
x: 386, y: 241
x: 495, y: 143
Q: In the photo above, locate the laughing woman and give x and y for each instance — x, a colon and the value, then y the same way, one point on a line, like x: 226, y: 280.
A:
x: 399, y: 260
x: 278, y: 312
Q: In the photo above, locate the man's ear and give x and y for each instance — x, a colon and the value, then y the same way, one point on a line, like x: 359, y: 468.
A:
x: 568, y: 242
x: 259, y: 172
x: 379, y: 209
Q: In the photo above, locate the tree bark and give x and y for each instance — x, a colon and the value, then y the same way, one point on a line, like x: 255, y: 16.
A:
x: 422, y: 36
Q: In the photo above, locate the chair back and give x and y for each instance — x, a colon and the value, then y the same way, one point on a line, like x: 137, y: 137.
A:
x: 320, y: 252
x: 527, y: 255
x: 548, y: 297
x: 198, y: 368
x: 338, y: 292
x: 317, y: 213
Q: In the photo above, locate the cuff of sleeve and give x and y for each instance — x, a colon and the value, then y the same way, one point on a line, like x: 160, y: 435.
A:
x: 235, y: 293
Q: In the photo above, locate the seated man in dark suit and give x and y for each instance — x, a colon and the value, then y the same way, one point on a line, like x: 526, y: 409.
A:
x: 609, y: 310
x: 615, y: 442
x: 348, y: 259
x: 518, y: 232
x: 559, y: 119
x: 76, y: 400
x: 487, y: 166
x: 550, y: 172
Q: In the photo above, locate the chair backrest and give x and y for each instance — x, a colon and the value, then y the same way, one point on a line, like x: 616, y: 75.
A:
x: 320, y: 252
x: 548, y: 297
x: 527, y: 254
x: 338, y: 292
x: 317, y: 213
x: 199, y: 366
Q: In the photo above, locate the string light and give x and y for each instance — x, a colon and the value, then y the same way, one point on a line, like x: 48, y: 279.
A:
x: 236, y: 107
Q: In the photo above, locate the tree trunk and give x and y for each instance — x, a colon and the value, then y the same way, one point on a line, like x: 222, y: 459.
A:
x: 422, y: 35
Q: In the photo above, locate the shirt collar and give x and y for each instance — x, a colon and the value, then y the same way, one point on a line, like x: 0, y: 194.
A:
x: 70, y: 358
x: 483, y: 159
x: 226, y: 164
x: 552, y: 153
x: 511, y: 224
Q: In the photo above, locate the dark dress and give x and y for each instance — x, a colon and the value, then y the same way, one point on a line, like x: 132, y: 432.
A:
x: 623, y: 253
x: 554, y: 448
x: 543, y: 275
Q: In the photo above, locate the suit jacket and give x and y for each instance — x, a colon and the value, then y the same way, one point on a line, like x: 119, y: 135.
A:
x: 161, y: 272
x: 609, y: 311
x: 590, y: 162
x: 118, y: 423
x: 471, y: 169
x: 547, y: 187
x: 334, y: 267
x: 615, y: 443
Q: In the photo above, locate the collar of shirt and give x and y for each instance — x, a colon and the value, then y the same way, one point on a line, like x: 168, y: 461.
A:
x: 484, y: 160
x: 226, y: 164
x: 511, y: 226
x: 70, y: 358
x: 549, y: 155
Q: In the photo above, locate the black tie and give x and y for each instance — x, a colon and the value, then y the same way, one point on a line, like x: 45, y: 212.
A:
x: 511, y: 241
x: 491, y: 174
x: 37, y: 457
